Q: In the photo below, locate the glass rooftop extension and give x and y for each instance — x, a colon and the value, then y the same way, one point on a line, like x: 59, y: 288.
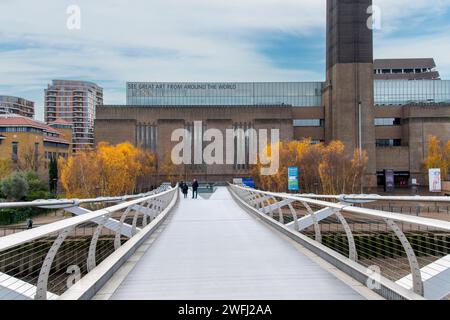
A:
x: 401, y: 92
x: 297, y: 94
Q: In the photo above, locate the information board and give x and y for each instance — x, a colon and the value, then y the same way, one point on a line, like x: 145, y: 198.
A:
x: 293, y: 179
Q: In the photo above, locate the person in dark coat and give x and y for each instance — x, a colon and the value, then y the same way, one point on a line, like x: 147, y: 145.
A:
x: 185, y: 189
x: 194, y: 189
x: 29, y: 223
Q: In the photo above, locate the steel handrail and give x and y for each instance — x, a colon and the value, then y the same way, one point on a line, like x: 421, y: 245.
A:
x: 264, y: 202
x: 376, y: 197
x: 63, y: 203
x: 13, y: 240
x: 439, y: 224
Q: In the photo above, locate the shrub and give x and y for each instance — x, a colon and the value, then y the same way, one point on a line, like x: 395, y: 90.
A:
x: 35, y: 184
x: 22, y: 185
x: 16, y: 215
x: 15, y: 187
x: 40, y: 194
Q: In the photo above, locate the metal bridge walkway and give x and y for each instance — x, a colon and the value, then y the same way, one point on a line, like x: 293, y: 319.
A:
x: 213, y: 249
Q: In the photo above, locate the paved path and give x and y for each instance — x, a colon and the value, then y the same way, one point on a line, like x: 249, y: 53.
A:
x: 213, y: 249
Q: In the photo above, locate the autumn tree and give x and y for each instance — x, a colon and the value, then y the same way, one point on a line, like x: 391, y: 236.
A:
x: 447, y: 159
x: 438, y: 155
x: 80, y: 175
x: 6, y: 168
x: 170, y: 171
x: 311, y: 155
x: 340, y: 172
x: 109, y: 170
x: 147, y: 175
x: 322, y: 168
x: 31, y: 160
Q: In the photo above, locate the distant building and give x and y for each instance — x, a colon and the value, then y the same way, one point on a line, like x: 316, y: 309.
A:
x: 16, y: 105
x: 28, y: 142
x: 64, y: 128
x: 405, y: 69
x: 74, y: 102
x: 389, y: 117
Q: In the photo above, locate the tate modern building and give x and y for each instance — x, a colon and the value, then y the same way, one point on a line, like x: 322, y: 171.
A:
x: 387, y: 107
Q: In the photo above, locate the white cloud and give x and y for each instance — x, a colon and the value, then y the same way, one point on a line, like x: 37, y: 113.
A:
x: 436, y: 46
x: 398, y: 15
x: 150, y: 40
x: 168, y: 40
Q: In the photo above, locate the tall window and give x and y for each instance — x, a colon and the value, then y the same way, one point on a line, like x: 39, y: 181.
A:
x: 15, y: 152
x: 36, y: 152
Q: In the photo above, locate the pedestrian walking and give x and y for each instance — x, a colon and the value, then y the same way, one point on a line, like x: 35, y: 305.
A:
x: 194, y: 189
x: 185, y: 189
x: 29, y: 223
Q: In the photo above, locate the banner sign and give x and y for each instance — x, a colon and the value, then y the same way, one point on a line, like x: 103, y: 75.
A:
x: 389, y: 182
x: 434, y: 176
x: 293, y: 179
x: 249, y: 182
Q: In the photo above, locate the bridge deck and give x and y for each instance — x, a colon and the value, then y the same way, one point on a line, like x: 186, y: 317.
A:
x: 213, y: 249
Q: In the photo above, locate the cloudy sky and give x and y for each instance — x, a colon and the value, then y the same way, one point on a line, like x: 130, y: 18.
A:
x: 194, y: 40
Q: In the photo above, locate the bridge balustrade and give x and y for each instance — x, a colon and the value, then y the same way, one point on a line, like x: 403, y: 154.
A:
x: 56, y: 261
x: 392, y: 251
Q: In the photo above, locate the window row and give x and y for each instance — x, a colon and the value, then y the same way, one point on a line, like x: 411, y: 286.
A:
x: 388, y: 142
x: 20, y: 129
x: 309, y: 122
x: 55, y: 155
x: 388, y: 121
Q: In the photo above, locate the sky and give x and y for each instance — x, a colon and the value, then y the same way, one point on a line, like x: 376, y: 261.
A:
x: 194, y: 40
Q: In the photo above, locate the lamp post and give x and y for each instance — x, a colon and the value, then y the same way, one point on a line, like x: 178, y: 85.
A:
x: 55, y: 185
x: 360, y: 140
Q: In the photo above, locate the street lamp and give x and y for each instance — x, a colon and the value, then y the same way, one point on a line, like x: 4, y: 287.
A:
x: 360, y: 140
x: 55, y: 185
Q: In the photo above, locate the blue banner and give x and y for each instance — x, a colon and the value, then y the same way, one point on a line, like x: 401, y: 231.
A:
x: 293, y: 179
x: 249, y: 182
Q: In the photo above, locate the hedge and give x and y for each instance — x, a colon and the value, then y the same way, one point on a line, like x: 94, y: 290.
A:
x: 16, y: 215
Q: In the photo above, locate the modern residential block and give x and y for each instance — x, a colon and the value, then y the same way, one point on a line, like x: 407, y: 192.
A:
x: 75, y: 102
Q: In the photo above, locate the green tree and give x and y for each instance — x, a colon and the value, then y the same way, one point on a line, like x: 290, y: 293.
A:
x: 53, y: 175
x: 38, y: 189
x: 15, y: 187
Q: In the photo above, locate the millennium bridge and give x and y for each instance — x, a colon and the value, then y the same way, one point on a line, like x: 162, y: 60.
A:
x: 233, y: 242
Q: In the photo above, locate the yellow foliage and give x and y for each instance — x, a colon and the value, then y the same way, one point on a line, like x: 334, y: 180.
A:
x: 438, y: 155
x: 447, y: 158
x: 170, y: 171
x: 109, y: 170
x: 326, y: 169
x: 6, y: 168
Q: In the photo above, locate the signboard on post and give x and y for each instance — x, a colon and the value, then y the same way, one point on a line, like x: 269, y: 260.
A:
x: 293, y: 179
x: 249, y: 182
x: 434, y: 176
x: 389, y: 182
